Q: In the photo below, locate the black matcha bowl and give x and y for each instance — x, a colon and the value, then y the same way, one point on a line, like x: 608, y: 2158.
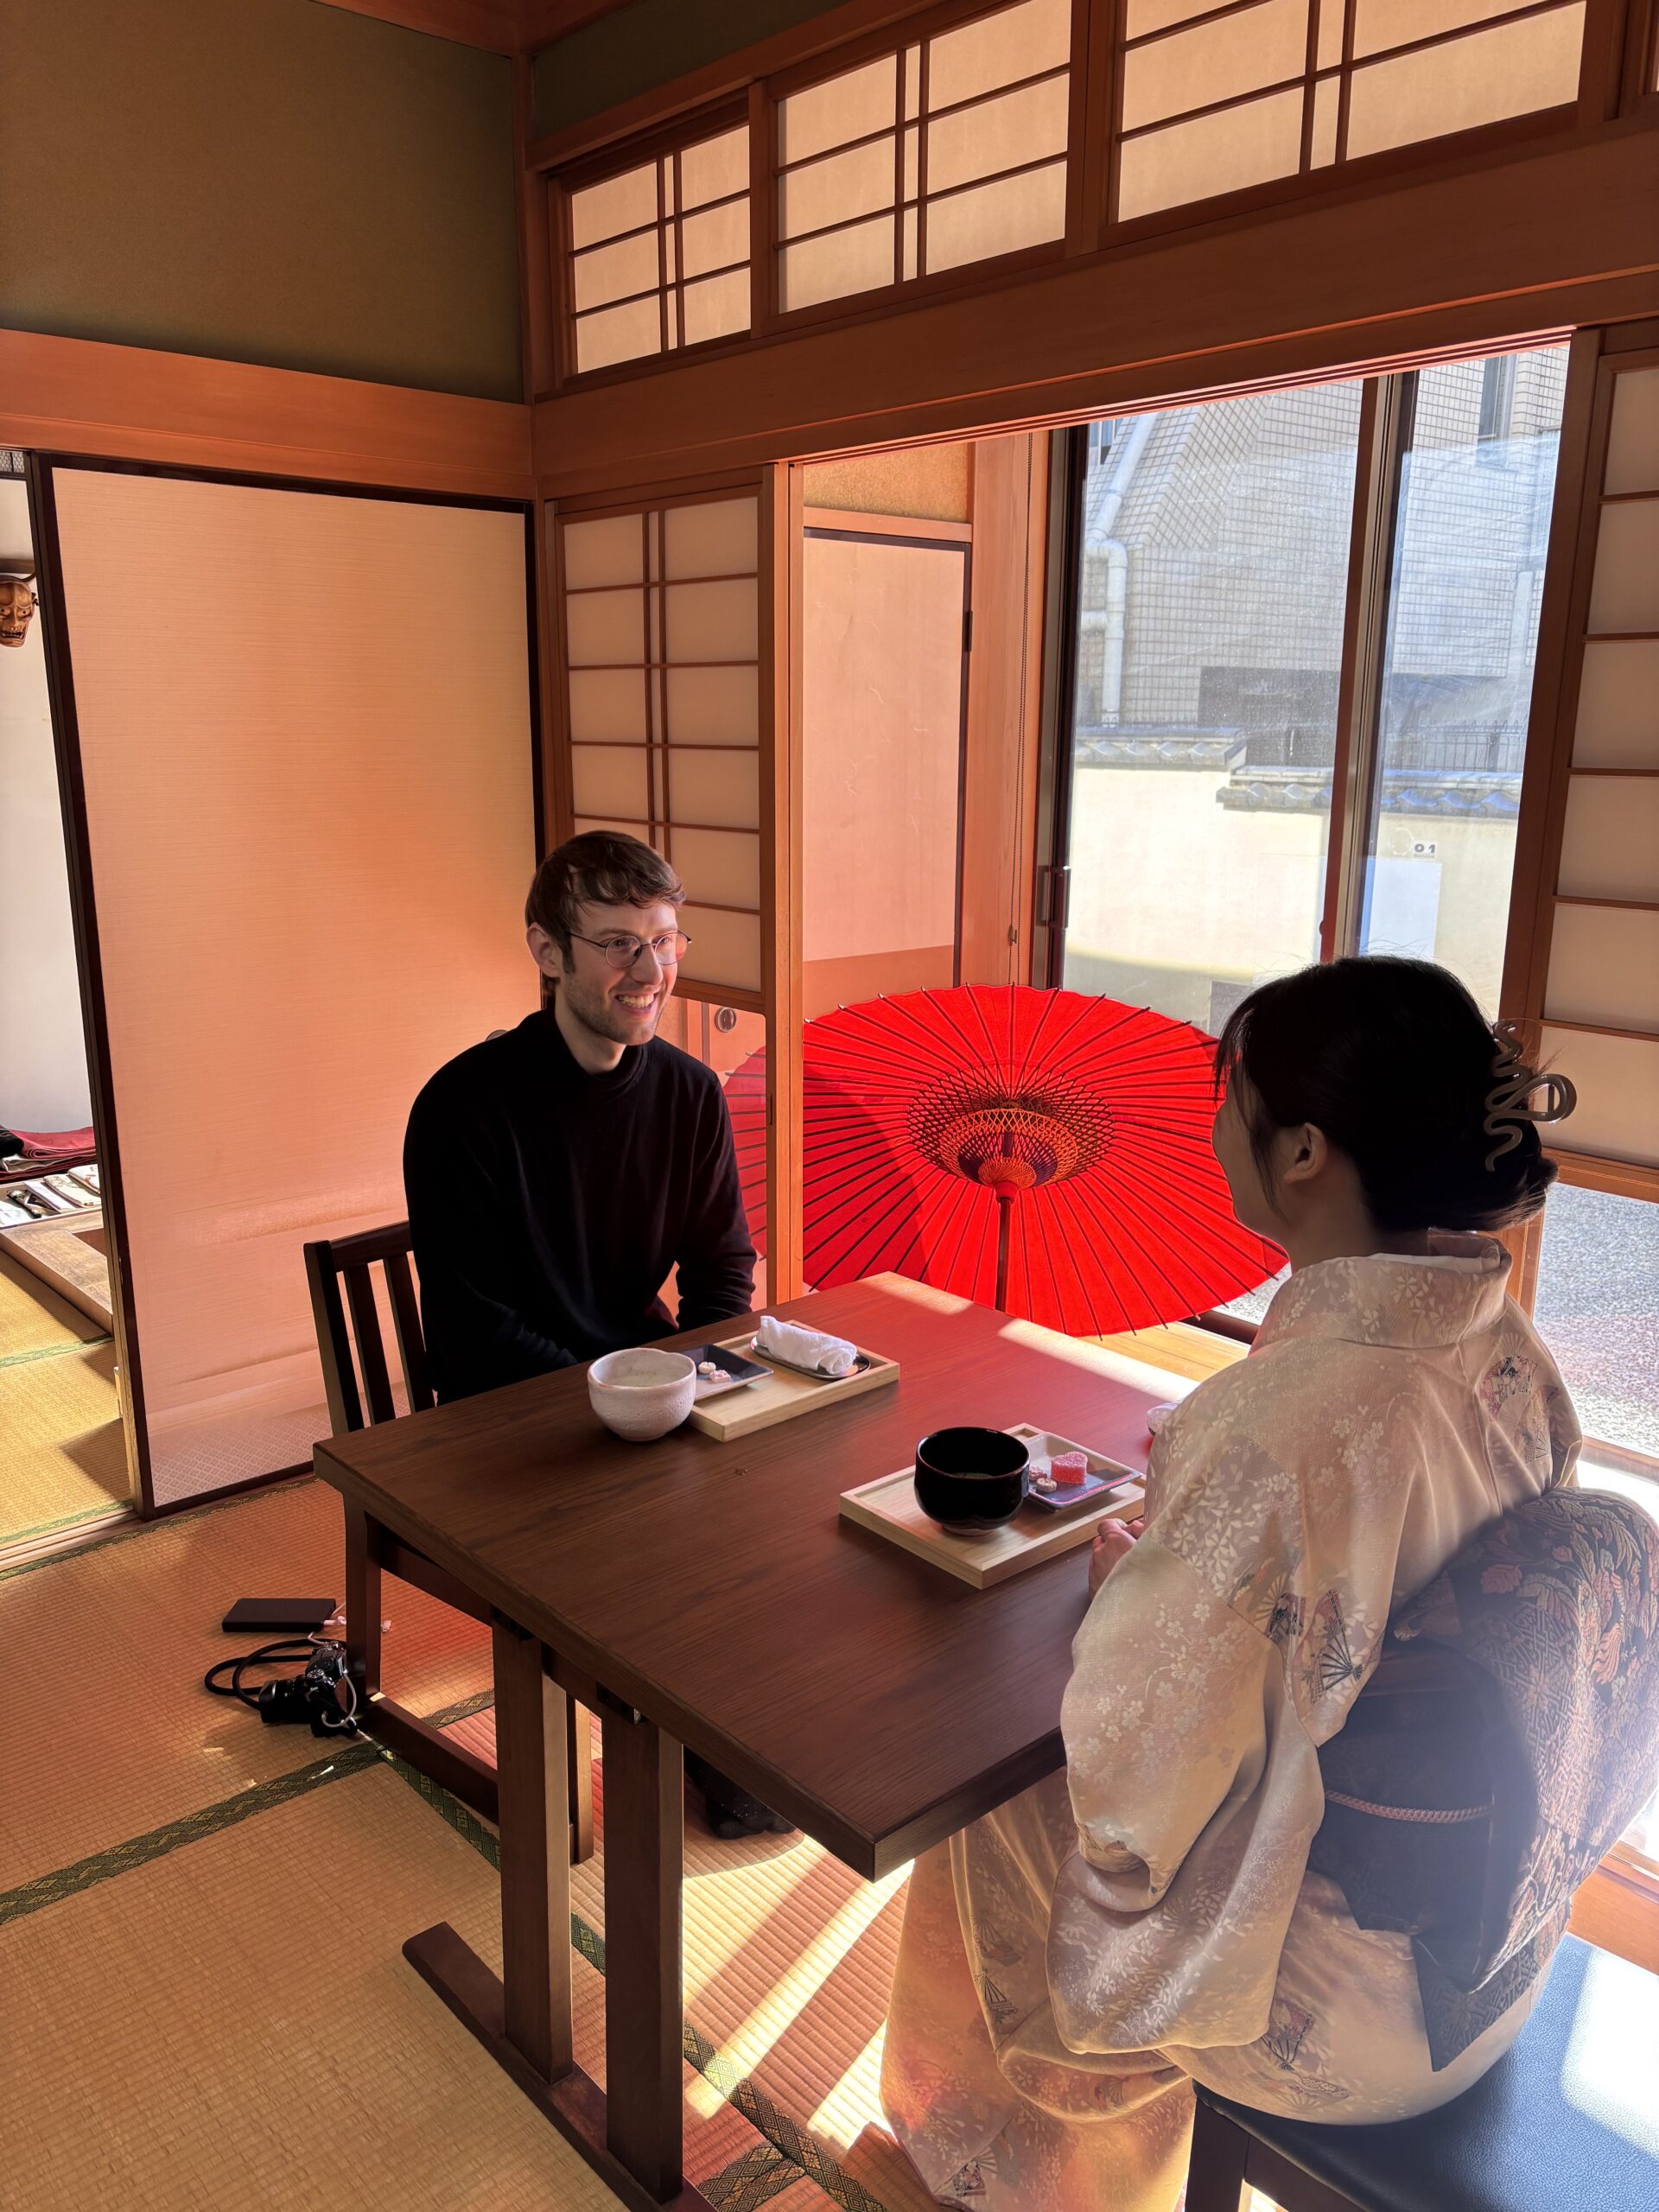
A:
x: 970, y: 1478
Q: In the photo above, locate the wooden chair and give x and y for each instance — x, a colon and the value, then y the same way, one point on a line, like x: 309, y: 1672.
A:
x: 372, y: 1550
x: 1562, y: 2119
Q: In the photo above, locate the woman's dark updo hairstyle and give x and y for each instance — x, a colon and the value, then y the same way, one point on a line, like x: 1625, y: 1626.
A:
x: 1392, y: 1060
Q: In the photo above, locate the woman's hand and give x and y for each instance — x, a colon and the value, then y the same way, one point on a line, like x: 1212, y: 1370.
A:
x: 1113, y: 1540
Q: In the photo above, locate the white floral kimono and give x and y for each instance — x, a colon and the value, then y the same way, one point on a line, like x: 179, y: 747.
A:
x: 1069, y: 1964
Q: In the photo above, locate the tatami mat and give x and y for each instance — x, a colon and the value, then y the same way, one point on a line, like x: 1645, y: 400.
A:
x: 33, y: 1316
x: 63, y: 1455
x: 117, y: 1736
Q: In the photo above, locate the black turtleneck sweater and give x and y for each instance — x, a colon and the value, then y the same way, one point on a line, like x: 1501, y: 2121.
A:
x: 548, y: 1206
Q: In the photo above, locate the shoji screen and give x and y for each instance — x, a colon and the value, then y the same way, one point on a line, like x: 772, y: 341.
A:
x: 1217, y: 99
x: 947, y: 151
x: 661, y: 636
x: 1600, y: 963
x: 305, y: 738
x: 657, y: 255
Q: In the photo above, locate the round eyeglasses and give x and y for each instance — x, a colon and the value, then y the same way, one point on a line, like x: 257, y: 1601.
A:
x: 622, y: 952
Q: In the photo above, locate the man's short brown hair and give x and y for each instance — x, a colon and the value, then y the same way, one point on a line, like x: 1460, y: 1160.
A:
x: 602, y: 868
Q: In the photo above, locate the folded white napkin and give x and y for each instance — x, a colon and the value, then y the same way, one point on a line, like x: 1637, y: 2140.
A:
x: 807, y: 1347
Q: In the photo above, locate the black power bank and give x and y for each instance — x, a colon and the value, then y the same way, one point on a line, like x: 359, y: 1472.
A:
x: 294, y: 1616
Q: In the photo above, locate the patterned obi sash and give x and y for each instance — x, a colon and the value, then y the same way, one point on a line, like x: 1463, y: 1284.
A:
x: 1510, y: 1732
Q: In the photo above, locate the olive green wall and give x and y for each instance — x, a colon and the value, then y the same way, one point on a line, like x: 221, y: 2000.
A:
x: 649, y: 44
x: 268, y: 181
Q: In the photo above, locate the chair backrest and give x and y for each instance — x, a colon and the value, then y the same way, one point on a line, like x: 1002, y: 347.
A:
x: 329, y: 1262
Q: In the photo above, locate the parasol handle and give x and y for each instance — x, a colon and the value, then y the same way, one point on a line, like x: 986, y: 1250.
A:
x: 1006, y: 1195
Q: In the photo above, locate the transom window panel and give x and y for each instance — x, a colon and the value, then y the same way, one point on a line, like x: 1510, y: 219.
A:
x: 951, y: 151
x: 661, y: 669
x: 658, y: 256
x: 1215, y: 99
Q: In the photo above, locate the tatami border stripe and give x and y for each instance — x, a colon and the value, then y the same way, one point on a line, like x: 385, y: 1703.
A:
x: 52, y: 1352
x: 132, y: 1534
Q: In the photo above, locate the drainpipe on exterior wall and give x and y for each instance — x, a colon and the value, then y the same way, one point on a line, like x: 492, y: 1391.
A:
x: 1112, y: 619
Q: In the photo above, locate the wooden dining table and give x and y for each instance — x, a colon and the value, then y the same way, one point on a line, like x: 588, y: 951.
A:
x: 706, y: 1596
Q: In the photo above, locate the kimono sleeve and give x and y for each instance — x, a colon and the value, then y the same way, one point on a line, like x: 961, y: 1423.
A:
x: 1196, y: 1793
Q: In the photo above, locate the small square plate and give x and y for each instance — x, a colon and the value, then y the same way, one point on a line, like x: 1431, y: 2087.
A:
x: 1104, y: 1475
x: 736, y: 1373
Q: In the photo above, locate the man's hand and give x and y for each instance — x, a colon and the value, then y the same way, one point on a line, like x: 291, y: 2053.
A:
x: 1113, y: 1540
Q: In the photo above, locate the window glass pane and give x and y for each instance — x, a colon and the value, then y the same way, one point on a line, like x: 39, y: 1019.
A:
x: 1470, y: 536
x: 1213, y: 567
x: 1598, y: 1310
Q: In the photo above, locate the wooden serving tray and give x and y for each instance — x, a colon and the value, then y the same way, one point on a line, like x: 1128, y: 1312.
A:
x: 887, y: 1507
x: 783, y: 1394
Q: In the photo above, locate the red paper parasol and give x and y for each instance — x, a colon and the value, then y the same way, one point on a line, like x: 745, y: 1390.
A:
x: 1039, y: 1151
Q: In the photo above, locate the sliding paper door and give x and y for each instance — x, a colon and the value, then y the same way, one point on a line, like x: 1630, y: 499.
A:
x: 303, y: 728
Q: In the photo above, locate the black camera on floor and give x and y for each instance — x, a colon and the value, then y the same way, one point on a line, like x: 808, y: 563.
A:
x: 323, y: 1693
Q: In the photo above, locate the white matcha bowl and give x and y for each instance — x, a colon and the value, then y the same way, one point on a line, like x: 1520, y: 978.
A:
x: 641, y: 1394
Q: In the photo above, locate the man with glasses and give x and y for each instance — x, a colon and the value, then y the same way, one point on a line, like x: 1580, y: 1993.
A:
x: 558, y: 1173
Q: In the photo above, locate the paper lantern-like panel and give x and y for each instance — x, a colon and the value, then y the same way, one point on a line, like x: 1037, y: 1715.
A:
x: 620, y: 203
x: 714, y: 706
x: 831, y: 267
x: 852, y: 105
x: 604, y: 626
x: 708, y: 784
x: 1211, y: 155
x: 1222, y: 59
x: 624, y: 333
x: 610, y: 779
x: 1511, y: 69
x: 725, y: 948
x: 608, y: 705
x: 1625, y: 594
x: 993, y: 50
x: 608, y: 551
x: 1618, y: 705
x: 1001, y: 217
x: 713, y: 537
x: 1604, y: 968
x: 716, y: 168
x: 1633, y: 434
x: 1610, y: 838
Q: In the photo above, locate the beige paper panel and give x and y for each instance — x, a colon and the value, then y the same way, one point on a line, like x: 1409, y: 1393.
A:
x: 1001, y: 217
x: 608, y: 705
x: 309, y: 814
x: 1618, y: 1081
x: 617, y: 273
x: 1000, y: 49
x: 608, y: 551
x: 835, y: 190
x: 1380, y: 25
x: 856, y: 260
x: 712, y: 537
x: 998, y: 134
x: 1604, y: 968
x: 1218, y: 61
x: 722, y: 865
x: 1609, y: 839
x: 615, y: 334
x: 714, y: 706
x: 621, y: 203
x: 1242, y: 146
x: 610, y: 779
x: 716, y: 168
x: 853, y: 105
x: 882, y: 747
x: 725, y: 951
x: 1618, y: 705
x: 714, y: 240
x: 1625, y: 594
x: 1511, y: 69
x: 714, y: 785
x: 1633, y: 434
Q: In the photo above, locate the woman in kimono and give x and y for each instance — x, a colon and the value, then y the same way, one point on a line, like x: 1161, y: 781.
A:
x: 1147, y: 1918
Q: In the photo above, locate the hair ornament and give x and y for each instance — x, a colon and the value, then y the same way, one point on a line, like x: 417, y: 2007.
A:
x: 1509, y: 1101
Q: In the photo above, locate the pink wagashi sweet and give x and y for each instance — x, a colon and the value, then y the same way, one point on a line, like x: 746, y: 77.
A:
x: 1070, y: 1468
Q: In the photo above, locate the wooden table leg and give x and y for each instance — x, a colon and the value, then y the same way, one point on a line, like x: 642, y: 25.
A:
x: 644, y: 2003
x: 362, y: 1602
x: 533, y: 1781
